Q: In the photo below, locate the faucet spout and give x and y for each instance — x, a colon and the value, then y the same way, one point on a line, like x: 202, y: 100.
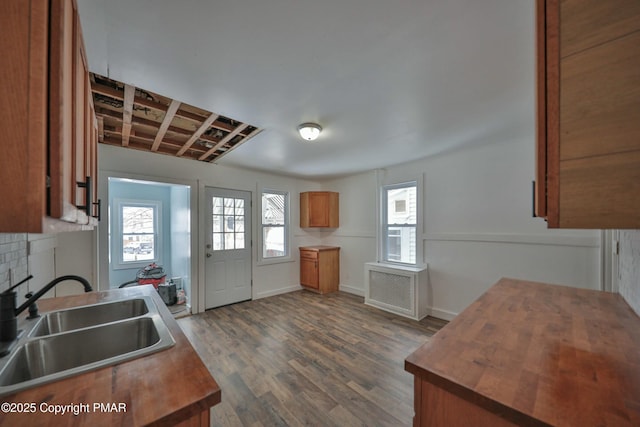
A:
x: 51, y: 284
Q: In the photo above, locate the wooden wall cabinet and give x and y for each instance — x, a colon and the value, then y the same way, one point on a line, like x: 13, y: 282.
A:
x: 588, y: 113
x: 47, y: 119
x: 320, y: 268
x: 319, y: 209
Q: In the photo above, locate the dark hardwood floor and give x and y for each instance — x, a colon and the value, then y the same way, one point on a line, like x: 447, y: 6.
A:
x: 306, y: 359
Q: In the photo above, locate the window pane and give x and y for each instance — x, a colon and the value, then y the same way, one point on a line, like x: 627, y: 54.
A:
x: 401, y: 244
x: 401, y: 205
x: 273, y: 239
x: 273, y: 208
x: 239, y: 224
x: 229, y: 223
x: 137, y: 219
x: 228, y: 206
x: 217, y: 205
x: 274, y: 219
x: 138, y: 247
x: 217, y: 223
x: 239, y: 207
x: 229, y: 241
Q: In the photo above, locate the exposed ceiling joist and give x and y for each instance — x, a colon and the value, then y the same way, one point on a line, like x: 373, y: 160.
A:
x: 221, y: 143
x: 127, y: 113
x: 197, y: 133
x: 168, y: 117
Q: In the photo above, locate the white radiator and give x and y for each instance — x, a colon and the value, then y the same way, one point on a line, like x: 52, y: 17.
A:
x: 397, y: 289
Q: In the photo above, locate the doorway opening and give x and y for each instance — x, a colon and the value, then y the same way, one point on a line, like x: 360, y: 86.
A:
x: 149, y: 223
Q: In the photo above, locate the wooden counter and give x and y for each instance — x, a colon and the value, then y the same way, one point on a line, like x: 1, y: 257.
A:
x: 169, y: 388
x: 532, y: 354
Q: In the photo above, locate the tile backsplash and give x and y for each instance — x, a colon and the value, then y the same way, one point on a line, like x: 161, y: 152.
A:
x: 13, y: 258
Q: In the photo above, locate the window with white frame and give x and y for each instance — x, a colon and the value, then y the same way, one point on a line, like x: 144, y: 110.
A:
x: 275, y: 224
x: 399, y: 222
x: 138, y: 232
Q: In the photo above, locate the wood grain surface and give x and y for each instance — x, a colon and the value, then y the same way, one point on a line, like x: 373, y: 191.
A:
x: 304, y: 359
x: 540, y: 354
x: 161, y: 389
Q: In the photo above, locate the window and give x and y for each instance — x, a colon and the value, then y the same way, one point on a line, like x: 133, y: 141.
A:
x: 399, y: 222
x: 138, y: 232
x: 275, y: 224
x: 228, y: 223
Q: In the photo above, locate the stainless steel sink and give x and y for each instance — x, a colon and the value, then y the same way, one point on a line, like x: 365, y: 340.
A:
x: 70, y: 342
x: 82, y: 317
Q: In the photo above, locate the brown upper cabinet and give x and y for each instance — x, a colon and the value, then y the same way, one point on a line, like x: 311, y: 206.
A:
x: 588, y: 113
x: 319, y: 209
x: 49, y: 162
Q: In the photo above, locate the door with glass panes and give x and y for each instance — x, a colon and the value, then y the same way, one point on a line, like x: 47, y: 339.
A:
x: 227, y: 247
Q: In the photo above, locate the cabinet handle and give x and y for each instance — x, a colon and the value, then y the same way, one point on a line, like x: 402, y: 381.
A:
x: 87, y: 191
x: 533, y: 203
x: 99, y: 205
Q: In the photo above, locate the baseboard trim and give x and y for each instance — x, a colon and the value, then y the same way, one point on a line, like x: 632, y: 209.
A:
x: 351, y: 290
x: 277, y: 291
x: 442, y: 314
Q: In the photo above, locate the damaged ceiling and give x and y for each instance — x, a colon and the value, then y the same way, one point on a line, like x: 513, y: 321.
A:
x: 134, y: 118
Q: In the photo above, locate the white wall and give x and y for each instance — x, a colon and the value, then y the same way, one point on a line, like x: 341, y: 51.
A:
x: 629, y: 268
x: 268, y: 279
x: 478, y: 225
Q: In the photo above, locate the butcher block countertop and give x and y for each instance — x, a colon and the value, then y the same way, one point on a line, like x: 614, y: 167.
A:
x: 160, y: 389
x: 539, y: 354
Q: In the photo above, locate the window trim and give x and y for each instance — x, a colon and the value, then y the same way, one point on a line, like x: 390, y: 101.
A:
x: 116, y: 245
x: 383, y: 225
x: 287, y: 228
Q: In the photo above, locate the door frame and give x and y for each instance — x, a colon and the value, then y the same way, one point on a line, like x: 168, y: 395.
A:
x: 102, y: 252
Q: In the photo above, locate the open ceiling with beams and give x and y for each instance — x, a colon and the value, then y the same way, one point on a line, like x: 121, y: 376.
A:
x: 135, y: 118
x: 388, y: 81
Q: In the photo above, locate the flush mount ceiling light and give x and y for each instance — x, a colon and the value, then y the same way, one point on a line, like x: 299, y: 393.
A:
x: 309, y: 131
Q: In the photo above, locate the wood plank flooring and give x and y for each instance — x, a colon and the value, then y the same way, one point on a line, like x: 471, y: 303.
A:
x: 303, y: 359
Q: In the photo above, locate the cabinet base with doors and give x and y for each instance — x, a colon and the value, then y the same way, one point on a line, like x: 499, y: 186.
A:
x: 588, y: 113
x: 320, y: 268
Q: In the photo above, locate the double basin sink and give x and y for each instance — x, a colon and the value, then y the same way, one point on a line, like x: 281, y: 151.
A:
x: 68, y: 342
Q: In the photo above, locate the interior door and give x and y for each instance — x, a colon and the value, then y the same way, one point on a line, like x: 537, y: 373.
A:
x: 228, y: 247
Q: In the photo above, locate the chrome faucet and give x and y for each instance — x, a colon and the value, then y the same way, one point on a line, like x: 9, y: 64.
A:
x: 9, y: 312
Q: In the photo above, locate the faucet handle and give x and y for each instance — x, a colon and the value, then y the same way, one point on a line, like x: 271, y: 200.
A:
x: 29, y: 277
x: 33, y: 308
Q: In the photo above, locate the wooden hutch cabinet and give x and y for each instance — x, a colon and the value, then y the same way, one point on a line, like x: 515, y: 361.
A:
x: 319, y: 209
x: 588, y: 113
x: 320, y: 268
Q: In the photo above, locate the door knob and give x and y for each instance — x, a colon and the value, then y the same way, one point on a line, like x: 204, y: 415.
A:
x: 208, y: 255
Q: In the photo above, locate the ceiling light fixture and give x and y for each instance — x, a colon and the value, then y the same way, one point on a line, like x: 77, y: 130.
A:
x: 309, y: 131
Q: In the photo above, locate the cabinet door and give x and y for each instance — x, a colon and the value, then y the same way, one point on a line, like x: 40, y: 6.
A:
x: 81, y: 127
x: 318, y: 210
x: 588, y: 154
x: 61, y: 111
x: 309, y: 272
x: 23, y: 109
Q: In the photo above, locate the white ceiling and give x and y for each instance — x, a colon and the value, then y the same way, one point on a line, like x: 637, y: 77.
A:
x: 389, y: 81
